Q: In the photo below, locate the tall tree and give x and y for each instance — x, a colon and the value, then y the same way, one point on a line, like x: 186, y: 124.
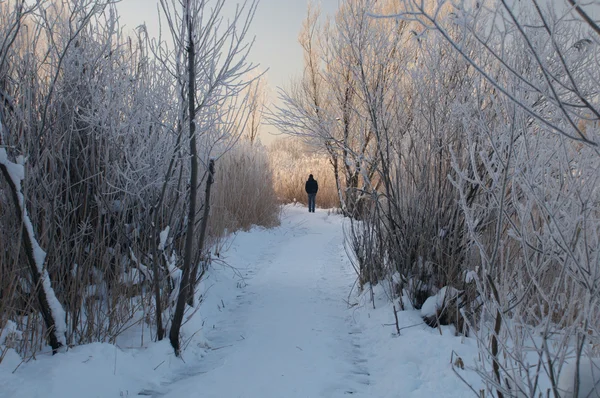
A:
x: 209, y: 65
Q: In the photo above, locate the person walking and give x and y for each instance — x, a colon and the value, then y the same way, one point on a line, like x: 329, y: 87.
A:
x: 311, y: 187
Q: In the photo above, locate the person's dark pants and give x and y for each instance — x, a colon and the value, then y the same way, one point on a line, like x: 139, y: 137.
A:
x: 311, y: 202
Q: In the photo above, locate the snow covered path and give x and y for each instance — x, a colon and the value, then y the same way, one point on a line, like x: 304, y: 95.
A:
x: 290, y: 334
x: 274, y: 323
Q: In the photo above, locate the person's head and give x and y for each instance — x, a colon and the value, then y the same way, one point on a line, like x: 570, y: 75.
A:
x: 310, y: 176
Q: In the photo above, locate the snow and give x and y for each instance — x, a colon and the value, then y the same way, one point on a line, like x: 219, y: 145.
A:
x: 9, y: 331
x: 17, y: 174
x: 143, y: 269
x: 175, y: 273
x: 470, y: 276
x: 589, y: 370
x: 163, y: 238
x: 434, y: 303
x: 277, y: 320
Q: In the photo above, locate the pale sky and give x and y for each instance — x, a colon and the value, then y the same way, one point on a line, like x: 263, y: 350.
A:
x: 276, y: 26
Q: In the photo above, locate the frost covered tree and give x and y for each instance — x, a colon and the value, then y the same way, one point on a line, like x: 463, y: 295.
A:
x: 373, y: 102
x: 208, y: 63
x: 257, y: 101
x: 527, y: 186
x: 26, y: 27
x: 482, y: 128
x: 96, y: 154
x: 323, y: 107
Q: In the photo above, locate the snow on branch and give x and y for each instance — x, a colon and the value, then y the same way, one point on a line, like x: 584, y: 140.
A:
x: 16, y: 173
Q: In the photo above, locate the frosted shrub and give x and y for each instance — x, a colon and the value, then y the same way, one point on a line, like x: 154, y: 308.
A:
x: 106, y: 174
x: 377, y: 99
x: 413, y: 227
x: 529, y: 194
x: 538, y: 241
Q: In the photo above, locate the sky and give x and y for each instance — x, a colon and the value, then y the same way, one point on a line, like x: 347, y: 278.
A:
x: 276, y: 26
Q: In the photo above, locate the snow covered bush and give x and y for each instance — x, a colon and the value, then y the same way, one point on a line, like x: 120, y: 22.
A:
x: 528, y: 190
x: 411, y: 223
x: 536, y: 228
x: 93, y: 119
x: 85, y: 125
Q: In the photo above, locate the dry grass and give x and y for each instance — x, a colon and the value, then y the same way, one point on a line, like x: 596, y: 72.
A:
x: 243, y: 193
x: 292, y: 162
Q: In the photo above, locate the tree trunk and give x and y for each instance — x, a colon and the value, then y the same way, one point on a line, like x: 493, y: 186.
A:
x: 160, y: 330
x: 338, y: 185
x: 189, y: 238
x: 203, y: 226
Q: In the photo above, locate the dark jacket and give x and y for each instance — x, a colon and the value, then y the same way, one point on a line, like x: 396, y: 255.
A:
x: 311, y: 185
